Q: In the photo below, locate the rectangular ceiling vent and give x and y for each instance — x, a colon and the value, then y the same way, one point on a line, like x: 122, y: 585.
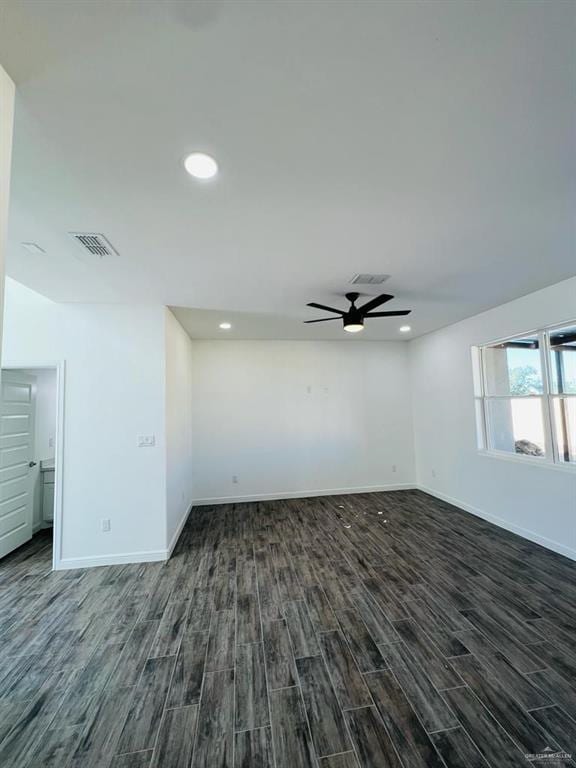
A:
x: 94, y: 243
x: 367, y: 279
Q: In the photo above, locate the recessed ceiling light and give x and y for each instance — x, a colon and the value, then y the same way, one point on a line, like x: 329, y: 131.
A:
x: 405, y: 329
x: 201, y: 166
x: 225, y: 326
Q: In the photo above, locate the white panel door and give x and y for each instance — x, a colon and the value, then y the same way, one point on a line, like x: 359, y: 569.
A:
x: 17, y: 412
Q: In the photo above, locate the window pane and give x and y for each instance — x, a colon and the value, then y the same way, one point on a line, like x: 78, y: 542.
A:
x: 513, y: 368
x: 565, y: 426
x: 563, y: 360
x: 517, y: 426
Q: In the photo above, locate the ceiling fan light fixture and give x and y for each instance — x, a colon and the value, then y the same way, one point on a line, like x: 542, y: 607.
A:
x: 353, y: 327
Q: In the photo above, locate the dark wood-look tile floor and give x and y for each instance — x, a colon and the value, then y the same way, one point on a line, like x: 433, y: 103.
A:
x: 359, y: 631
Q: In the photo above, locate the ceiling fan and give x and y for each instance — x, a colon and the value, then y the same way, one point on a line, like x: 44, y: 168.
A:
x: 353, y: 319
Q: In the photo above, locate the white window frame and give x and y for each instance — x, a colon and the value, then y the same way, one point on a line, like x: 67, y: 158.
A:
x: 552, y: 458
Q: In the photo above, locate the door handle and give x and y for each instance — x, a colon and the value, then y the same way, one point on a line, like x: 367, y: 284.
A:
x: 32, y: 464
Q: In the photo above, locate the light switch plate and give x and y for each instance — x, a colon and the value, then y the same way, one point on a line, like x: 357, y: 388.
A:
x: 146, y: 441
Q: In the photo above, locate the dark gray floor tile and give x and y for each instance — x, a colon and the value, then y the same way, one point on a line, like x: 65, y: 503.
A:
x: 169, y: 635
x: 372, y: 743
x: 457, y: 749
x: 143, y: 721
x: 291, y: 736
x: 518, y: 685
x: 556, y: 688
x: 251, y: 692
x: 186, y: 684
x: 423, y: 696
x: 403, y: 726
x: 215, y: 727
x: 248, y: 619
x: 100, y: 736
x: 425, y: 653
x: 349, y: 685
x: 132, y: 760
x: 221, y: 640
x: 300, y: 628
x: 280, y: 663
x: 346, y: 760
x: 522, y: 728
x: 363, y: 648
x: 490, y: 738
x: 319, y: 609
x: 175, y: 741
x: 253, y: 749
x: 324, y: 714
x: 559, y: 725
x: 134, y: 656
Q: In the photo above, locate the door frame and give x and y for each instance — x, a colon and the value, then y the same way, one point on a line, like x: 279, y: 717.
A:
x: 60, y: 367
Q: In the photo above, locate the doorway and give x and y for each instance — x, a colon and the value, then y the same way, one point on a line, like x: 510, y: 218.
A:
x: 30, y: 459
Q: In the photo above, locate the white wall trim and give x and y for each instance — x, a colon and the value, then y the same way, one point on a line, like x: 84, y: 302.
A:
x: 523, y: 532
x: 302, y: 494
x: 178, y: 531
x: 151, y: 556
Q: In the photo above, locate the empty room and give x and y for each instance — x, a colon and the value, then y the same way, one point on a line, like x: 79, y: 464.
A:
x: 287, y: 383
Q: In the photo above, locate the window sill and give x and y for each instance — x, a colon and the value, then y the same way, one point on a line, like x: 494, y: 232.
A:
x: 532, y: 461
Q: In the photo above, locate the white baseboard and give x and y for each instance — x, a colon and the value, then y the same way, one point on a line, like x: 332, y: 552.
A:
x: 164, y: 554
x: 152, y: 556
x: 524, y: 532
x: 302, y: 494
x: 178, y: 531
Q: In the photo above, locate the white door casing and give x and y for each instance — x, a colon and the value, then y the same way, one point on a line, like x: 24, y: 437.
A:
x: 17, y: 414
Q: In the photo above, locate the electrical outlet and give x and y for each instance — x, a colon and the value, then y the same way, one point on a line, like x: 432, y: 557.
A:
x: 393, y: 467
x: 433, y: 473
x: 146, y: 441
x: 235, y: 479
x: 105, y: 525
x: 50, y: 442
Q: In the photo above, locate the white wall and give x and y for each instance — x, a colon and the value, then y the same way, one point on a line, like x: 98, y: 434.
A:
x: 6, y: 128
x: 295, y: 417
x: 179, y: 460
x: 536, y: 502
x: 114, y: 391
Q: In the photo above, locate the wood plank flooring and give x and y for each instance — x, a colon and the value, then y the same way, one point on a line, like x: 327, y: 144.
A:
x: 369, y: 631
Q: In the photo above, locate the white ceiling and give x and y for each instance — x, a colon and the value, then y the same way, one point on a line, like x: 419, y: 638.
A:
x: 430, y: 141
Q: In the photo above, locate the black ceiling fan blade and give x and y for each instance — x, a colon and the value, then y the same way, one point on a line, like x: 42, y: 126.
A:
x: 322, y: 320
x: 328, y: 309
x: 375, y: 302
x: 397, y: 313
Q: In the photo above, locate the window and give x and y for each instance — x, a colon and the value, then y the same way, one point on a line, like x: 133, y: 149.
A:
x: 562, y: 352
x: 526, y: 395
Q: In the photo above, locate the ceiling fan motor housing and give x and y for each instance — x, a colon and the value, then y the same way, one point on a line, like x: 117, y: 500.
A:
x: 353, y: 317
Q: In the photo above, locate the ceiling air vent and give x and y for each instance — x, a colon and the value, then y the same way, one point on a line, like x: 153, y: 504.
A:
x: 94, y: 243
x: 368, y: 279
